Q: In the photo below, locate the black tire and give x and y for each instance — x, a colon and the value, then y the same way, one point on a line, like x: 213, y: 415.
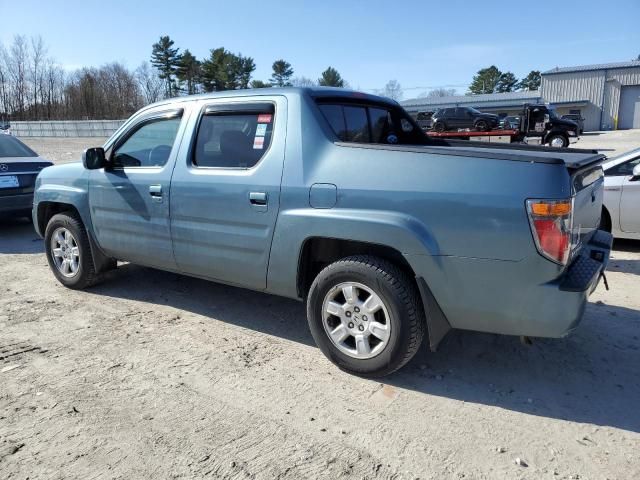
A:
x: 439, y: 126
x: 86, y: 273
x: 400, y: 298
x: 551, y: 139
x: 605, y: 221
x: 482, y: 126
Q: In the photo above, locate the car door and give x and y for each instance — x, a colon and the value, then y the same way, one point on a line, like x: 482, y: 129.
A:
x: 129, y: 200
x: 630, y: 199
x: 225, y: 191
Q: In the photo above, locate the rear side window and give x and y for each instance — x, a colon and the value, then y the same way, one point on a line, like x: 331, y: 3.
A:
x: 372, y: 124
x: 623, y: 169
x: 232, y: 139
x: 12, y: 147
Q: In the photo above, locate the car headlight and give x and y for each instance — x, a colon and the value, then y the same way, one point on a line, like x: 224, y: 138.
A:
x: 571, y: 133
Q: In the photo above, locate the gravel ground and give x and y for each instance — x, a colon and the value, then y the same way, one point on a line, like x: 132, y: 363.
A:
x: 156, y: 375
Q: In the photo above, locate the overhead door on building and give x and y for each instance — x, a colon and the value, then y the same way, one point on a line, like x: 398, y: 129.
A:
x: 629, y: 113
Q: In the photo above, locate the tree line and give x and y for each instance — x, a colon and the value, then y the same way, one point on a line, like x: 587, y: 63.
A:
x: 34, y: 87
x: 183, y: 73
x: 492, y: 80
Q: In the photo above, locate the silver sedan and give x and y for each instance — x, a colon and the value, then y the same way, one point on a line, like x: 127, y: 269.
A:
x: 621, y: 211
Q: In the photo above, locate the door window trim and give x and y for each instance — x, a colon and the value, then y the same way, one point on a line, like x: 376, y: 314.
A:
x: 133, y: 128
x: 231, y: 108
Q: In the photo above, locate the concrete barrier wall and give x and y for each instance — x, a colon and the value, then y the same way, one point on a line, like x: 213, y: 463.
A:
x: 70, y: 128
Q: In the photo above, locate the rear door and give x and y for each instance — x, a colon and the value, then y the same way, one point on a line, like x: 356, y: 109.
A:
x: 225, y: 190
x: 129, y: 201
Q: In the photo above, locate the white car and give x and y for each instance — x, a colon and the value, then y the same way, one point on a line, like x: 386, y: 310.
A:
x: 621, y: 210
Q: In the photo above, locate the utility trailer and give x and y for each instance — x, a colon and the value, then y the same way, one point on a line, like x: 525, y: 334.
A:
x: 539, y: 125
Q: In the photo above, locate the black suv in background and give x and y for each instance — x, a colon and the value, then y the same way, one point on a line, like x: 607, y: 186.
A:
x: 463, y: 117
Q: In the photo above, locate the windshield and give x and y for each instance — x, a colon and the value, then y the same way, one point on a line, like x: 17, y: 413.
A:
x: 12, y: 147
x: 553, y: 114
x: 473, y: 110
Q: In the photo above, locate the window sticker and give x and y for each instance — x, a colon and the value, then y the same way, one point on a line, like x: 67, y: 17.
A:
x: 261, y: 130
x: 265, y: 118
x: 258, y: 143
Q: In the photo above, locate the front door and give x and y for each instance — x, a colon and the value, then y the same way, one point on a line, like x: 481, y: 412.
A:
x: 129, y: 200
x: 225, y: 190
x: 630, y: 200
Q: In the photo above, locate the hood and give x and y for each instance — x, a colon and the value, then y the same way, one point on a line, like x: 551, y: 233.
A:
x: 562, y: 122
x: 8, y: 160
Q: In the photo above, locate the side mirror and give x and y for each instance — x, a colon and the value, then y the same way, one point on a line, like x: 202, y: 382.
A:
x: 636, y: 172
x: 94, y: 158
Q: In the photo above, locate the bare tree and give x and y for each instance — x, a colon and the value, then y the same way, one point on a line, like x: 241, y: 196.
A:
x: 392, y: 90
x: 36, y: 80
x: 150, y: 84
x: 303, y: 82
x: 440, y: 92
x: 17, y: 60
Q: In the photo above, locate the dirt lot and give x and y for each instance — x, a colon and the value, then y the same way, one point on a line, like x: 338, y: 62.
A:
x: 154, y: 375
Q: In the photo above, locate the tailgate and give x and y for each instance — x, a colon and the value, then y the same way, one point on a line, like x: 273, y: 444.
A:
x: 588, y: 190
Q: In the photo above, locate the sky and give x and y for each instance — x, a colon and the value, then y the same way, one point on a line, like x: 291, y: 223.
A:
x: 421, y: 44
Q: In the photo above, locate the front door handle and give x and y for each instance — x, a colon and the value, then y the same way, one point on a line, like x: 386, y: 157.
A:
x: 258, y: 198
x: 156, y: 192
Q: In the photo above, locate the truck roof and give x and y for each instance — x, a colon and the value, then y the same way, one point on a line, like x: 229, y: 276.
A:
x: 316, y: 92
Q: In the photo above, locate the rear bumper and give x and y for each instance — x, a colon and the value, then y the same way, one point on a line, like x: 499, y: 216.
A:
x: 16, y: 203
x: 532, y: 297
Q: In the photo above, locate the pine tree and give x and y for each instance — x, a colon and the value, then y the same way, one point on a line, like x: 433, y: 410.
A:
x: 166, y: 59
x: 485, y: 80
x: 188, y: 72
x: 331, y: 78
x: 282, y: 72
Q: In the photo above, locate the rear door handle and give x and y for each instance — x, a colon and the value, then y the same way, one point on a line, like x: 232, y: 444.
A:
x: 258, y: 198
x: 156, y: 192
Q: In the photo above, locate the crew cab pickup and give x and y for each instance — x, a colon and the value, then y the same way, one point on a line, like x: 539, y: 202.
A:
x: 337, y: 198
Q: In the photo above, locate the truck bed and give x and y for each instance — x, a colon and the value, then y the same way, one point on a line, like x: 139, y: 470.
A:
x: 573, y: 159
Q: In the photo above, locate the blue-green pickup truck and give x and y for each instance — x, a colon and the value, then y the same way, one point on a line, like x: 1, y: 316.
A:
x: 337, y: 198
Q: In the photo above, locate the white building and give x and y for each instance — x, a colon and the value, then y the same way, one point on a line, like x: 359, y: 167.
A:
x: 607, y: 96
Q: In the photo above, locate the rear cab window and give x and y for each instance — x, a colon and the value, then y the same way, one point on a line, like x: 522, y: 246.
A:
x: 375, y: 123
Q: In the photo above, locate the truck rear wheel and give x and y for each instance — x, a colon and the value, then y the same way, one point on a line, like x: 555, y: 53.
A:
x: 365, y: 315
x: 69, y: 252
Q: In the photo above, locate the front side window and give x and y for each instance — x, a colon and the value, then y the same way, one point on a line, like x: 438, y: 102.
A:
x: 232, y: 139
x: 623, y: 169
x: 149, y: 145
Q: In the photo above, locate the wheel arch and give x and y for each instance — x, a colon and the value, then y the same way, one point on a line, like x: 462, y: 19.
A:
x: 47, y: 209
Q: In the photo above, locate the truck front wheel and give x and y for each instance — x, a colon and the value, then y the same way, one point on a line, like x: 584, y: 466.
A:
x: 558, y: 141
x: 365, y: 315
x: 69, y: 252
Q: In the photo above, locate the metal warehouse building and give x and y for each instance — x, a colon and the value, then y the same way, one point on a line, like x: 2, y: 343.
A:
x: 607, y: 96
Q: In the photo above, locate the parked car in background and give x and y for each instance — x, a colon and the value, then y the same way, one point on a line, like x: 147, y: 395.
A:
x: 5, y: 129
x: 19, y: 167
x: 384, y: 232
x: 510, y: 123
x: 577, y: 119
x: 463, y: 117
x: 621, y: 210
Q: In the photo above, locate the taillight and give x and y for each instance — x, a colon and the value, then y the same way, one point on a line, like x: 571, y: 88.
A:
x: 551, y: 222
